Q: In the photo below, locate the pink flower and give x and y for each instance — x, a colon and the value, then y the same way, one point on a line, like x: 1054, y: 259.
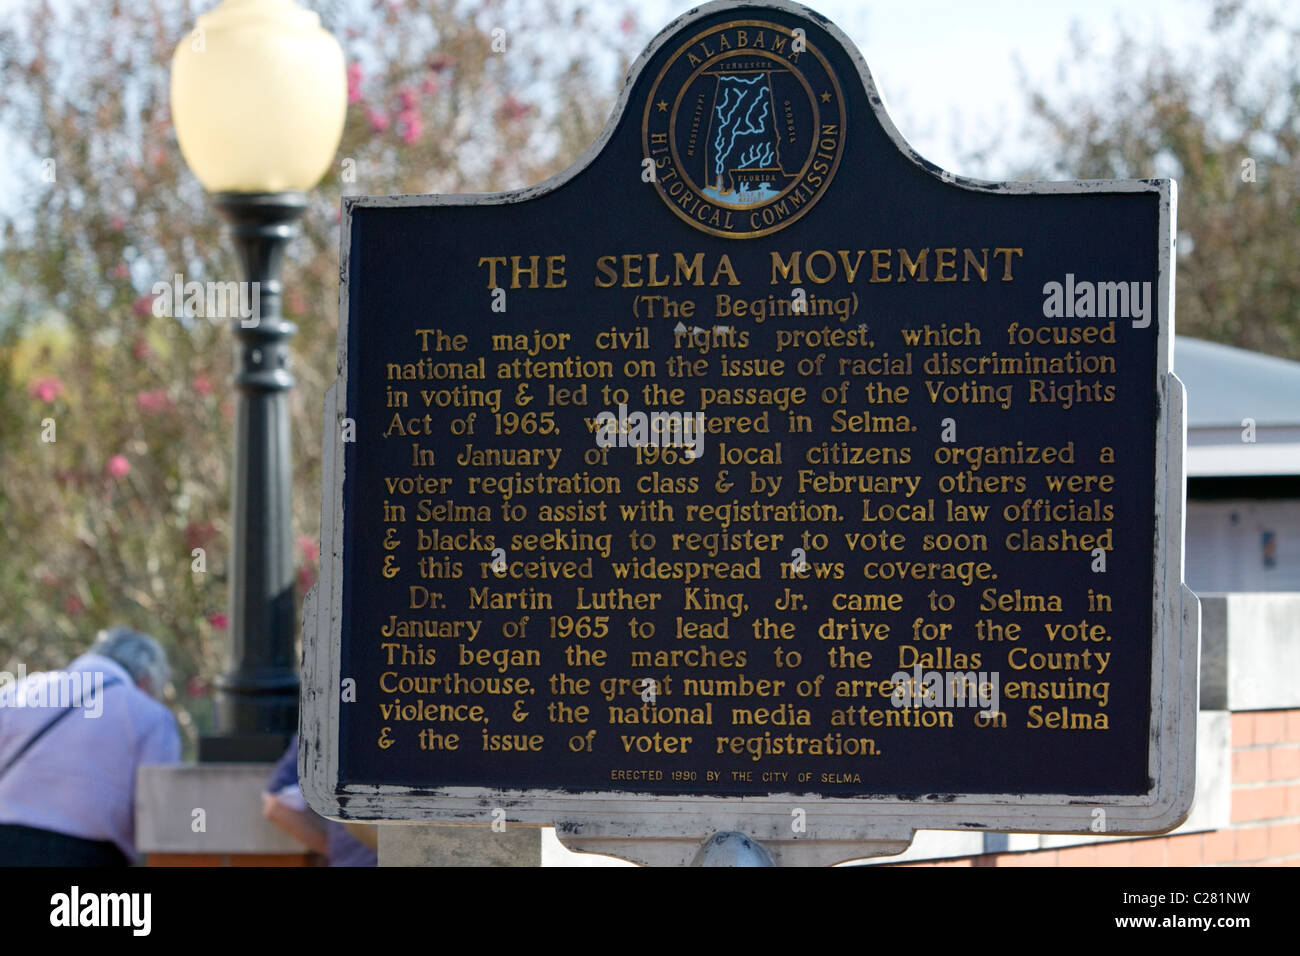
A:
x: 628, y: 24
x: 306, y: 578
x: 412, y: 127
x: 378, y: 121
x: 143, y: 306
x: 203, y: 385
x: 309, y: 548
x: 118, y: 223
x: 218, y: 620
x: 199, y: 535
x: 429, y: 86
x: 513, y: 108
x: 119, y: 467
x: 46, y: 389
x: 154, y: 401
x: 407, y: 96
x: 72, y: 604
x: 141, y: 349
x: 355, y: 77
x: 121, y: 270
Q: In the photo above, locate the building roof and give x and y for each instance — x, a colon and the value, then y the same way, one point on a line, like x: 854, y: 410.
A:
x: 1226, y: 384
x: 1243, y: 410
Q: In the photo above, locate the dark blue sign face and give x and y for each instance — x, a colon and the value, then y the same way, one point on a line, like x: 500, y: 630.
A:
x: 754, y: 456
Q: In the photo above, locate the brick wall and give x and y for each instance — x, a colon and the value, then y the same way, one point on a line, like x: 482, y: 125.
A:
x: 1265, y: 828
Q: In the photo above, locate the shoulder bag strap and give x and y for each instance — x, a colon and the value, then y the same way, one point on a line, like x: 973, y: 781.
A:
x: 31, y: 741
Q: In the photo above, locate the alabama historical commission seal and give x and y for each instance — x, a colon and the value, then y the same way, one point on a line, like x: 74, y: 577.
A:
x: 745, y: 126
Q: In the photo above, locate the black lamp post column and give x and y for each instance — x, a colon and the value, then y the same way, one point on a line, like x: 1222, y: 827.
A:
x: 257, y: 696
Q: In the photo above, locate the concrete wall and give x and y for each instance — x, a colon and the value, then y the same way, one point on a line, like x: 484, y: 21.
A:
x: 210, y: 815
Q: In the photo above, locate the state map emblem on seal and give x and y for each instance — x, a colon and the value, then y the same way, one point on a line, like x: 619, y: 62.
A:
x: 745, y: 125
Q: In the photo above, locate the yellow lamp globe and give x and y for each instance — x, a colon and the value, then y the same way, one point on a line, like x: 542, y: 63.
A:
x: 258, y: 95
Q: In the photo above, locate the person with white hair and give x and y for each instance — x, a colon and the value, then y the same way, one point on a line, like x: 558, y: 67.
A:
x: 70, y: 744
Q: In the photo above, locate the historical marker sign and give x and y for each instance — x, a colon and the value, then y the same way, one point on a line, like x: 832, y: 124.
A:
x: 755, y: 457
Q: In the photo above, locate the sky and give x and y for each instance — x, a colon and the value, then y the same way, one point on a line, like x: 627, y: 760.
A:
x: 947, y: 68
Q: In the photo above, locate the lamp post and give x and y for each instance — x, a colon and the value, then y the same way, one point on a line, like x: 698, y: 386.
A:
x: 258, y: 94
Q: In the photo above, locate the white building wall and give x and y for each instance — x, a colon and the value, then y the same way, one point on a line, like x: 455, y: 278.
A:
x: 1243, y: 545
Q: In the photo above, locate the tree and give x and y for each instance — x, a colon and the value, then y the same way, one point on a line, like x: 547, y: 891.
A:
x: 116, y: 420
x: 1226, y: 125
